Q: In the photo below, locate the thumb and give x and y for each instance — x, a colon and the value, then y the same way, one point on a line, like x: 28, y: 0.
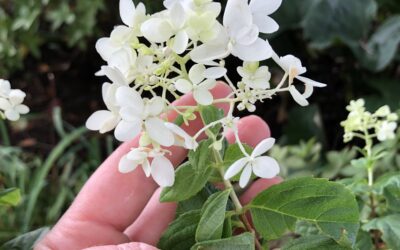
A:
x: 126, y: 246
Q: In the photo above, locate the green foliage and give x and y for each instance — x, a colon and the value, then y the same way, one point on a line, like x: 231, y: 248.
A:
x: 389, y: 186
x: 180, y: 234
x: 211, y: 114
x: 328, y: 205
x: 390, y: 228
x: 212, y: 217
x: 10, y: 196
x: 243, y: 241
x: 314, y: 242
x: 25, y: 241
x: 21, y: 22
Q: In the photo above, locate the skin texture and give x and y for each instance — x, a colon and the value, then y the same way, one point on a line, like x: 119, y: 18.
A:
x: 122, y: 211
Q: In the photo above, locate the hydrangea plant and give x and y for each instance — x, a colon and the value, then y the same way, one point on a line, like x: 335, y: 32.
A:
x: 152, y: 60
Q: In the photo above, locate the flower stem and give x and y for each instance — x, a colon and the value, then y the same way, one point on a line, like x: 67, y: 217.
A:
x: 235, y: 199
x: 4, y: 133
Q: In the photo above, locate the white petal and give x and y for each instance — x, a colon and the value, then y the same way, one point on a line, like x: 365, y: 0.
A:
x: 265, y: 23
x: 258, y: 51
x: 126, y: 131
x: 125, y: 165
x: 245, y: 176
x: 188, y: 141
x: 206, y: 53
x: 115, y: 75
x: 98, y: 119
x: 158, y: 132
x: 16, y: 96
x: 196, y: 73
x: 247, y: 35
x: 208, y: 84
x: 12, y: 115
x: 265, y: 167
x: 178, y: 15
x: 4, y: 104
x: 157, y: 30
x: 299, y: 98
x: 162, y: 171
x: 146, y: 168
x: 237, y: 15
x: 127, y: 12
x: 156, y: 106
x: 203, y: 96
x: 215, y: 72
x: 180, y: 42
x: 105, y: 48
x: 22, y: 109
x: 130, y: 114
x: 263, y: 147
x: 128, y: 97
x: 311, y: 82
x: 137, y: 155
x: 183, y: 86
x: 265, y: 6
x: 236, y: 167
x: 309, y: 89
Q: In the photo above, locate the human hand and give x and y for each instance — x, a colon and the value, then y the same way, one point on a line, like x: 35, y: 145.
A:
x: 122, y: 211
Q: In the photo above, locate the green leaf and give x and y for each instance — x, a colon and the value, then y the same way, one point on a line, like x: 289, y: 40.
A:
x: 196, y: 202
x: 314, y: 242
x: 11, y: 196
x: 382, y: 46
x: 211, y: 114
x: 26, y: 241
x: 227, y: 231
x: 243, y: 241
x: 328, y: 20
x: 212, y: 217
x: 200, y: 159
x: 390, y: 228
x: 364, y: 241
x: 328, y: 205
x: 180, y: 234
x: 188, y: 182
x: 389, y: 186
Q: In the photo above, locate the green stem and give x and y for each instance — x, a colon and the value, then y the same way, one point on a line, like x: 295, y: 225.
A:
x: 4, y: 133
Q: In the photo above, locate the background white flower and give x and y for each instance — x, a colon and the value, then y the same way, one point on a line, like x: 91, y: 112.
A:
x: 254, y: 76
x: 13, y: 107
x: 261, y: 166
x: 386, y: 131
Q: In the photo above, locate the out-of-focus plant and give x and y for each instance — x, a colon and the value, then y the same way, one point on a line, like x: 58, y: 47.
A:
x: 27, y: 25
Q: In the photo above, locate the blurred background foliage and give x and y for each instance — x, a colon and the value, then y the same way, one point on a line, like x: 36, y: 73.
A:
x: 47, y: 49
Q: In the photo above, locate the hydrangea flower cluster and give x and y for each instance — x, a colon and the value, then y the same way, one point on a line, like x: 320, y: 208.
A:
x: 360, y: 122
x: 11, y: 100
x: 181, y: 50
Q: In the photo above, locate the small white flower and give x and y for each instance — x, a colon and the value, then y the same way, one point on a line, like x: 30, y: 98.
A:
x: 138, y: 114
x: 105, y: 120
x: 261, y: 166
x: 199, y: 84
x: 182, y: 138
x: 239, y: 37
x: 132, y: 16
x: 261, y: 9
x: 13, y: 107
x: 161, y: 169
x: 294, y: 68
x: 120, y: 37
x: 254, y: 76
x: 386, y: 131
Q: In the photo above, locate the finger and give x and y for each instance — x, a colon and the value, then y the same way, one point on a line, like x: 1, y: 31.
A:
x: 127, y: 246
x: 110, y: 201
x: 257, y: 187
x: 156, y: 216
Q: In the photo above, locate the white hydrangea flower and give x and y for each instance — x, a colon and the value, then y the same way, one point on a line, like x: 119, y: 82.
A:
x: 12, y: 106
x: 254, y: 76
x: 386, y: 131
x: 160, y: 168
x: 294, y: 69
x: 141, y: 114
x: 261, y: 166
x: 261, y: 9
x: 131, y: 15
x: 105, y: 120
x: 120, y: 37
x: 182, y: 138
x: 201, y: 81
x: 239, y: 37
